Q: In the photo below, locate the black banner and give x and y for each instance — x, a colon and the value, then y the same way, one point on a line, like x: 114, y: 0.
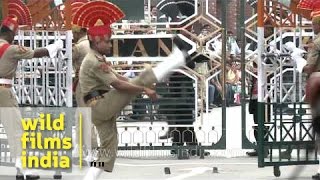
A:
x: 142, y: 47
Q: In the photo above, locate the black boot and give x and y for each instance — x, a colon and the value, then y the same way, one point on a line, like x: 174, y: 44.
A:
x: 316, y: 176
x: 198, y: 153
x: 167, y: 135
x: 20, y: 176
x: 285, y: 154
x: 182, y: 45
x: 255, y: 153
x: 252, y: 154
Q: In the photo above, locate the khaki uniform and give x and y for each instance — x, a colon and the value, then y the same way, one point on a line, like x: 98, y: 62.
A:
x: 79, y: 51
x: 11, y: 117
x: 314, y: 54
x: 95, y: 74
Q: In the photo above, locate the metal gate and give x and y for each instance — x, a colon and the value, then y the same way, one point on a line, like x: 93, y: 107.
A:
x: 141, y: 130
x: 285, y: 134
x: 44, y: 81
x: 41, y: 82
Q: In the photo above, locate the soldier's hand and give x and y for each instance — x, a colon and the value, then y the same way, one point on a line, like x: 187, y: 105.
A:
x: 54, y: 48
x: 151, y: 93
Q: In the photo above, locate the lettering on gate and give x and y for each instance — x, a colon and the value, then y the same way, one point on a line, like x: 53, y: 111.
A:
x: 142, y: 47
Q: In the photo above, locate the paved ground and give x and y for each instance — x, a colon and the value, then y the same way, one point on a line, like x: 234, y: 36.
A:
x: 194, y: 168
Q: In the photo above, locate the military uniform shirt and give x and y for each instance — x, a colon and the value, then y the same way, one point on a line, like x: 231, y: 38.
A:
x: 95, y: 73
x: 314, y: 54
x: 10, y: 58
x: 79, y: 51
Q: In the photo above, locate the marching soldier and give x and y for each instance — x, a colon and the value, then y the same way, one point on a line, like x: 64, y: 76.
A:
x: 107, y: 92
x: 79, y: 51
x: 313, y: 85
x: 9, y: 56
x: 313, y: 64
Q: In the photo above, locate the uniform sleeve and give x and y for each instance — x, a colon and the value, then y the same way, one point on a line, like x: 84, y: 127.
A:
x: 75, y: 54
x: 313, y: 55
x: 21, y: 52
x: 115, y: 72
x: 106, y: 76
x: 317, y: 44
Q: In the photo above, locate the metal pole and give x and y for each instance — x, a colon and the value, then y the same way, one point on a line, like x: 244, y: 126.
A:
x: 245, y: 141
x: 224, y: 4
x: 261, y: 83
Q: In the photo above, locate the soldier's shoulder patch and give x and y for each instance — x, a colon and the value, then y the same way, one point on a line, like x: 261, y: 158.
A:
x: 105, y: 67
x: 100, y: 58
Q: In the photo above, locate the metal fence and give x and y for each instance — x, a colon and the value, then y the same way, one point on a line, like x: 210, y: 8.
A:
x: 44, y: 81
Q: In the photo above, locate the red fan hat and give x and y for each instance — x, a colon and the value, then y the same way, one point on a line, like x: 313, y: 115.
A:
x: 10, y: 22
x: 99, y: 30
x: 19, y: 14
x: 75, y: 5
x: 97, y: 16
x: 310, y: 5
x: 18, y: 9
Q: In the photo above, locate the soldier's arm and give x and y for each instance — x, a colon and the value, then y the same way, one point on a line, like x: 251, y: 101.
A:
x: 21, y: 52
x: 127, y: 87
x: 106, y: 74
x: 309, y: 69
x: 40, y: 52
x: 133, y: 89
x: 75, y: 54
x: 122, y: 78
x: 119, y: 76
x: 313, y: 58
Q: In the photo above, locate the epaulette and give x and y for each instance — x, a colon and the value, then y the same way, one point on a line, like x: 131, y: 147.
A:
x: 100, y: 58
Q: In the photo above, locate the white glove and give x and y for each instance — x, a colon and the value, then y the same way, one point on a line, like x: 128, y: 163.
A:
x: 54, y: 48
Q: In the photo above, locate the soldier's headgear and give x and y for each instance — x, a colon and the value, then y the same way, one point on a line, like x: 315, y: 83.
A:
x: 312, y: 6
x: 97, y: 16
x: 18, y: 14
x: 11, y: 22
x: 75, y: 5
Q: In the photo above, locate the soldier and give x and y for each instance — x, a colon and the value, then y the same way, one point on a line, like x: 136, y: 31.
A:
x: 313, y: 85
x: 9, y: 56
x: 97, y: 77
x: 79, y: 51
x: 313, y: 64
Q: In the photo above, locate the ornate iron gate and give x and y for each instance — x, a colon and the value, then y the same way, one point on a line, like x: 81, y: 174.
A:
x: 285, y: 134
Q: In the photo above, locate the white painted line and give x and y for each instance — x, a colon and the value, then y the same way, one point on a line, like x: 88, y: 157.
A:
x: 177, y: 164
x: 193, y: 172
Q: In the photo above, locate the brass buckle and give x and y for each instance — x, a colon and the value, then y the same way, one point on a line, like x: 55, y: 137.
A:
x: 93, y: 101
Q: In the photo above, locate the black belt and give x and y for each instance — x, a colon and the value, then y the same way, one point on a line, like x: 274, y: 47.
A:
x: 94, y: 95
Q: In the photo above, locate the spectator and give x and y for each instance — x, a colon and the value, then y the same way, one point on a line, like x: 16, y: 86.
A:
x: 232, y: 79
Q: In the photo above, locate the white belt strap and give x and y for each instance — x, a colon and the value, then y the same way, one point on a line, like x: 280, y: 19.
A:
x: 6, y: 81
